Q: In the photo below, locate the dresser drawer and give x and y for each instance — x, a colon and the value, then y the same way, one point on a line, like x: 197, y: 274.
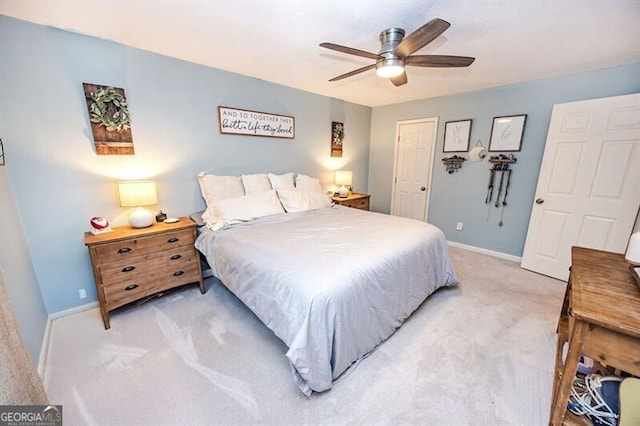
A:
x: 362, y: 204
x: 118, y: 294
x: 138, y: 267
x: 122, y: 250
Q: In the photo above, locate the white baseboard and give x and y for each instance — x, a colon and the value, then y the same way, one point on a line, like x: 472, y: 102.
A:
x: 486, y: 251
x: 71, y: 311
x: 44, y: 349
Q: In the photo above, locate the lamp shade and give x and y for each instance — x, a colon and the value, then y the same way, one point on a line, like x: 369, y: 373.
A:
x: 137, y: 193
x: 344, y: 177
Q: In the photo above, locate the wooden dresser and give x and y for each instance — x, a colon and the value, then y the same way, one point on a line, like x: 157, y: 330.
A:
x: 600, y: 319
x: 130, y: 264
x: 354, y: 200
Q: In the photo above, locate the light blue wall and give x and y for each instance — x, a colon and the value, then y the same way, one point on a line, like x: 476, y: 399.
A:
x: 59, y: 182
x: 460, y: 197
x: 18, y: 273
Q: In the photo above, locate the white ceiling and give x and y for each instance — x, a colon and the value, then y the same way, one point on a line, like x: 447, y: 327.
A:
x: 277, y: 40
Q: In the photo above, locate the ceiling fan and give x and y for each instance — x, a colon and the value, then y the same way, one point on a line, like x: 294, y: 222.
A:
x: 396, y: 53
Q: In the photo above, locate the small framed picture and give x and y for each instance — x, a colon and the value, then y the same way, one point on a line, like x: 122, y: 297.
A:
x: 506, y: 133
x: 456, y: 136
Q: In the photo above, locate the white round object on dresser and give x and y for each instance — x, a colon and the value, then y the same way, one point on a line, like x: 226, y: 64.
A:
x: 140, y: 218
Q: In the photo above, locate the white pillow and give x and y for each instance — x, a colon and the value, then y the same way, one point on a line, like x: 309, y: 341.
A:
x: 257, y: 183
x: 304, y: 181
x: 303, y: 199
x: 242, y: 209
x: 281, y: 181
x: 215, y: 188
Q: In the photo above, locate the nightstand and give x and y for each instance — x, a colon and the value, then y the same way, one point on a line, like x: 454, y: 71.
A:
x: 130, y: 264
x: 354, y: 200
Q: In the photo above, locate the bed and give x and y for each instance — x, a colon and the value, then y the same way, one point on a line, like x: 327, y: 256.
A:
x: 332, y: 283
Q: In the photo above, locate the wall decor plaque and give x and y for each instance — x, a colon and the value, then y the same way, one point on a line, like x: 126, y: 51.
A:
x: 337, y: 138
x: 110, y: 119
x: 235, y: 121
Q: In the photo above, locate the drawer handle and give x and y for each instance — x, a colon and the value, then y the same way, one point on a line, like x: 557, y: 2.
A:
x: 173, y: 240
x: 124, y: 250
x: 128, y: 268
x: 131, y: 287
x: 178, y: 273
x: 175, y: 257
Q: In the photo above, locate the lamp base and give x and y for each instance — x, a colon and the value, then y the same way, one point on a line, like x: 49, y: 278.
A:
x: 343, y: 192
x: 140, y: 218
x: 632, y: 255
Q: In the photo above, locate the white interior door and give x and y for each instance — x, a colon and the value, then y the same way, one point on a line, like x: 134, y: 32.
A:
x: 415, y: 143
x: 588, y: 189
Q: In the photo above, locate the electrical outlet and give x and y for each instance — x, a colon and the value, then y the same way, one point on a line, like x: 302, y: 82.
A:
x: 459, y: 226
x: 82, y: 293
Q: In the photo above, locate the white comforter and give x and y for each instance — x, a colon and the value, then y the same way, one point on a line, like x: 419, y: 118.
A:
x: 331, y: 283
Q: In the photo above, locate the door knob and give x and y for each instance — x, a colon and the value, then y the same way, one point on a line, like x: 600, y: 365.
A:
x: 423, y: 188
x: 539, y: 201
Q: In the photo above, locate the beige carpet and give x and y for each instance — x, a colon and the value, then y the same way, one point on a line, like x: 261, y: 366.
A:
x: 480, y: 353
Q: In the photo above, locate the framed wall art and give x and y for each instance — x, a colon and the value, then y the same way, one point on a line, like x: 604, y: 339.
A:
x: 506, y: 133
x: 456, y: 136
x: 110, y: 119
x: 337, y: 137
x: 235, y: 121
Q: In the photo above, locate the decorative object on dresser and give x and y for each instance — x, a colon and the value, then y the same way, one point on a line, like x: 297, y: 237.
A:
x: 99, y: 225
x: 131, y: 264
x: 337, y: 137
x: 344, y: 178
x: 354, y: 200
x: 110, y: 119
x: 138, y: 194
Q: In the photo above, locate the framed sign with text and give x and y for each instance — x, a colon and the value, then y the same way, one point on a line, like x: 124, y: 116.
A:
x: 234, y: 121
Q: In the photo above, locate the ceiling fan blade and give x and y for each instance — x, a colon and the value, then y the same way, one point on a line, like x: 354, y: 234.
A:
x: 439, y: 61
x: 421, y: 37
x: 350, y: 50
x: 354, y: 72
x: 399, y: 80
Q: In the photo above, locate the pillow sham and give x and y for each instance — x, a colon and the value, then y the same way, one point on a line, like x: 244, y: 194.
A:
x: 303, y: 199
x: 282, y: 181
x: 215, y: 188
x: 256, y: 183
x: 242, y: 209
x: 304, y: 181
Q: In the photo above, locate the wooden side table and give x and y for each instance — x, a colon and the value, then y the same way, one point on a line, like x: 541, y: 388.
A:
x: 354, y: 200
x: 130, y: 264
x: 600, y: 319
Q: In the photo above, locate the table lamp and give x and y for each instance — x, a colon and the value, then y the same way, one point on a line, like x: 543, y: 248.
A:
x: 344, y: 178
x: 138, y: 194
x: 632, y: 255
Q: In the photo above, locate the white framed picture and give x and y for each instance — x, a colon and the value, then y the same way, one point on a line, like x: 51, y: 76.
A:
x: 456, y: 136
x: 506, y: 133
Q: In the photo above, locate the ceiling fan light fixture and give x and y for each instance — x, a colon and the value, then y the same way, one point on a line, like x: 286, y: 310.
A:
x: 389, y: 68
